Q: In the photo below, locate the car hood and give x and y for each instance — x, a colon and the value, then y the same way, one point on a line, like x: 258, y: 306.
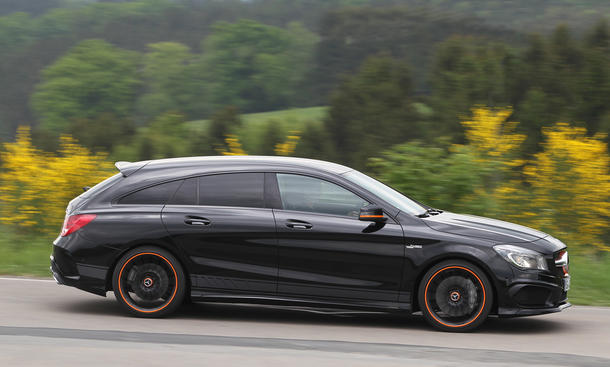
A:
x: 480, y: 227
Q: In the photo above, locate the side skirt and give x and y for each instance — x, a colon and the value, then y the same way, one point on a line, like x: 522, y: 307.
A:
x: 216, y: 295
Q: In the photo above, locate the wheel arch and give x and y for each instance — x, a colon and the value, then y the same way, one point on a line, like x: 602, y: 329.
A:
x: 453, y: 256
x: 171, y: 249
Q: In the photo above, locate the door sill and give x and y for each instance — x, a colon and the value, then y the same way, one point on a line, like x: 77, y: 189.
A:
x: 323, y: 305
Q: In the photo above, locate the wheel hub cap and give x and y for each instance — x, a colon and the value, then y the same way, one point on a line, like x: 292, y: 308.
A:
x: 455, y: 296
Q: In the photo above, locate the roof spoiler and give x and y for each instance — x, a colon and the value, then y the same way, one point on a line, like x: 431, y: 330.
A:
x: 128, y: 168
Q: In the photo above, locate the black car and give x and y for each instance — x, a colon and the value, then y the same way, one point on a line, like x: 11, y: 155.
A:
x: 298, y: 232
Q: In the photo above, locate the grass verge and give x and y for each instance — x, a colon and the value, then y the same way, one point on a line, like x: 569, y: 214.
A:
x: 27, y: 255
x: 24, y: 255
x: 590, y: 280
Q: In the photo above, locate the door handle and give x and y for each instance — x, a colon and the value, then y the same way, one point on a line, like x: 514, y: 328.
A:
x: 298, y: 225
x: 194, y: 220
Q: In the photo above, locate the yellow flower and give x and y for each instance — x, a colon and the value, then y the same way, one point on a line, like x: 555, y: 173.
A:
x: 35, y: 187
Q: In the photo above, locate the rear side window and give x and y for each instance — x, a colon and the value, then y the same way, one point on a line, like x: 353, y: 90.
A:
x: 155, y: 195
x: 186, y: 194
x: 232, y: 189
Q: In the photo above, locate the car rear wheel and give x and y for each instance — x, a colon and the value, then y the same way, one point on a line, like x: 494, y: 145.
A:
x: 455, y: 296
x: 149, y: 282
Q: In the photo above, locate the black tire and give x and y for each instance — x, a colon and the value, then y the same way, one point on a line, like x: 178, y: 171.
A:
x: 455, y: 295
x: 149, y: 282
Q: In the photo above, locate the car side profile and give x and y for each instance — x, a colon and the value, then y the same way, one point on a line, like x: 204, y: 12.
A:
x: 295, y: 231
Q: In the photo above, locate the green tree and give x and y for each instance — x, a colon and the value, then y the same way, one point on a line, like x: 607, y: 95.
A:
x: 441, y: 178
x: 271, y: 135
x: 372, y: 110
x: 93, y: 78
x: 222, y: 123
x: 164, y: 74
x: 315, y: 143
x: 253, y: 66
x: 595, y: 79
x: 467, y: 71
x: 101, y: 133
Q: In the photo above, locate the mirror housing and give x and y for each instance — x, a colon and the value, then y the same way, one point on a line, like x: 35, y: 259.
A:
x: 372, y: 213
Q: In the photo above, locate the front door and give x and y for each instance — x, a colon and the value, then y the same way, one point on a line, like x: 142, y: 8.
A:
x: 221, y: 223
x: 326, y: 252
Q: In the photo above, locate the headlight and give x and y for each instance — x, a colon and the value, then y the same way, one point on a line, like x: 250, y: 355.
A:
x: 521, y: 257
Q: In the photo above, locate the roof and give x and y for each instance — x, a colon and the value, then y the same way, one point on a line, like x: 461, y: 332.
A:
x: 128, y: 168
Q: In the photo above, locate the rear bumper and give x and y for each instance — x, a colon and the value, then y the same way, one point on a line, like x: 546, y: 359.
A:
x: 68, y: 272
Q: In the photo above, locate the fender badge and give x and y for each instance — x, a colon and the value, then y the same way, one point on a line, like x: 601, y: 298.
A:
x: 412, y: 246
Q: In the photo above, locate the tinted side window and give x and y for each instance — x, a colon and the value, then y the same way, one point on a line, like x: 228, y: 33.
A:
x: 186, y: 194
x: 310, y: 194
x: 158, y: 194
x: 232, y: 189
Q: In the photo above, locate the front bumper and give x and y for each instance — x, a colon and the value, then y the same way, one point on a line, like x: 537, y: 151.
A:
x: 515, y: 312
x: 532, y: 293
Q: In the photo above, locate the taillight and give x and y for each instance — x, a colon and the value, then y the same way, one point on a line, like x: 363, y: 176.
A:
x: 75, y: 222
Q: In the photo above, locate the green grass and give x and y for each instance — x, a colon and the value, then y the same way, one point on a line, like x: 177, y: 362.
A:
x: 250, y: 133
x: 24, y: 255
x: 292, y: 114
x: 27, y: 255
x: 590, y: 280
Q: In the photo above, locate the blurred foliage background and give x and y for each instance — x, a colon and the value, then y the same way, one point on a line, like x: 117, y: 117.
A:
x: 489, y: 107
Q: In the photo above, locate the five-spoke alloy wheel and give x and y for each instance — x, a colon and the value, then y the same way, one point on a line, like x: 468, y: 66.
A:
x: 149, y: 282
x: 455, y: 296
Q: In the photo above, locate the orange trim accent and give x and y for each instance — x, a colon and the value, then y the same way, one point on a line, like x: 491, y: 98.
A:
x: 139, y: 309
x: 426, y: 296
x: 371, y: 216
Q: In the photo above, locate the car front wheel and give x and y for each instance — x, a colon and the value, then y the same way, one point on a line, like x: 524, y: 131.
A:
x: 455, y: 296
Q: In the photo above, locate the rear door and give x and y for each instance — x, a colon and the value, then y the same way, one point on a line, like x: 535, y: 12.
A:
x: 222, y: 224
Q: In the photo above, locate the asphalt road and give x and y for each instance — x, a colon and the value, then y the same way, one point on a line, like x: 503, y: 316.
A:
x: 42, y: 323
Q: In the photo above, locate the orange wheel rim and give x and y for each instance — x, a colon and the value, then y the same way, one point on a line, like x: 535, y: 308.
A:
x: 432, y: 313
x: 136, y: 307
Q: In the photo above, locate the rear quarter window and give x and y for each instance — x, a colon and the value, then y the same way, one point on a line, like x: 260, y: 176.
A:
x: 153, y: 195
x: 109, y: 182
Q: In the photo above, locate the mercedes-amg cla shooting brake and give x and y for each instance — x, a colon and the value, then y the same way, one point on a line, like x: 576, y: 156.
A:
x: 298, y: 232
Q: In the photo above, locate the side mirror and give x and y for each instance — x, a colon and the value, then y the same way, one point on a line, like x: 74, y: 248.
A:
x: 372, y: 213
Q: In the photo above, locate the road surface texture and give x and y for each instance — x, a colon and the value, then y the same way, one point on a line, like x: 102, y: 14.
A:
x: 42, y: 323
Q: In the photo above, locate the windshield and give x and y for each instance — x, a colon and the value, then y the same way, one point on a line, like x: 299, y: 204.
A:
x: 385, y: 192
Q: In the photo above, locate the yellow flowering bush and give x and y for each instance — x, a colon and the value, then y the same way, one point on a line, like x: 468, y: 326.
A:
x: 492, y: 136
x: 35, y: 186
x: 496, y: 144
x: 565, y: 189
x: 570, y: 185
x: 234, y: 147
x: 288, y: 147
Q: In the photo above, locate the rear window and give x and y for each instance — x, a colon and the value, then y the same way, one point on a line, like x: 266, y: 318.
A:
x: 154, y: 195
x: 232, y: 189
